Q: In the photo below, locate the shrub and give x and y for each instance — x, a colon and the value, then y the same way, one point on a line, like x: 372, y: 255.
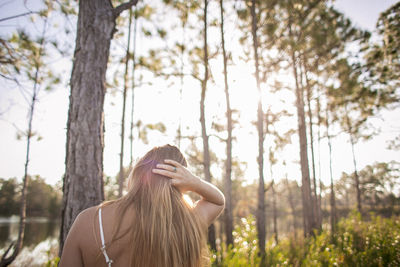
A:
x: 375, y: 242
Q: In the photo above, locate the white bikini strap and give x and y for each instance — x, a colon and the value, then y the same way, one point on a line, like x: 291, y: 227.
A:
x: 103, y: 245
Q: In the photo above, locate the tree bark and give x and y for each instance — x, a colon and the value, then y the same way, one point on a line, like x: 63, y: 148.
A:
x: 260, y: 215
x: 228, y: 164
x: 206, y: 149
x: 83, y: 180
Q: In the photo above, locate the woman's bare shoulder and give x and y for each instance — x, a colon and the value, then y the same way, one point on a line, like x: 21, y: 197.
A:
x: 84, y: 221
x: 86, y: 215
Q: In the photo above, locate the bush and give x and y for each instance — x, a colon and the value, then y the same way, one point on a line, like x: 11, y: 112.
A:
x: 245, y: 250
x: 357, y: 243
x: 375, y: 242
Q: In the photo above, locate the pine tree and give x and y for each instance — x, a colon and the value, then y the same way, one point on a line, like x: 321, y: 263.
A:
x: 83, y: 181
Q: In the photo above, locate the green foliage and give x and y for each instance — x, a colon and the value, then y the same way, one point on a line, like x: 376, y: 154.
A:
x: 383, y: 58
x: 111, y: 187
x: 145, y: 129
x: 52, y: 262
x: 377, y: 183
x: 25, y: 53
x: 356, y: 243
x: 245, y: 251
x: 8, y: 201
x: 42, y: 199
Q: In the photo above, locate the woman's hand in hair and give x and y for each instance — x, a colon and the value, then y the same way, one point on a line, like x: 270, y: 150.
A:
x: 180, y: 177
x: 212, y: 201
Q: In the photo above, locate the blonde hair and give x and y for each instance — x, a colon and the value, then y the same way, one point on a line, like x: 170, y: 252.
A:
x: 166, y: 231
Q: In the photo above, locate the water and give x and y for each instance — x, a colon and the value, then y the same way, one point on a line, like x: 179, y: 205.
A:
x: 40, y: 239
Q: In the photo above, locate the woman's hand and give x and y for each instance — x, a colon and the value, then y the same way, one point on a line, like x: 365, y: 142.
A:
x: 180, y: 177
x: 212, y: 200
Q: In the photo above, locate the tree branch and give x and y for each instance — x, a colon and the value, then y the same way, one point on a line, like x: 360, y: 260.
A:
x: 9, y: 78
x: 218, y: 137
x: 117, y: 10
x: 6, y: 261
x: 266, y: 189
x: 17, y: 16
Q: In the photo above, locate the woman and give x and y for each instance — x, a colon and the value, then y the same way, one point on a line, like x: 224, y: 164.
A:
x: 152, y: 225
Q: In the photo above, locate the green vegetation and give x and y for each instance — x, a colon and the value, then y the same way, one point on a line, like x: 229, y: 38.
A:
x: 43, y: 200
x: 357, y: 242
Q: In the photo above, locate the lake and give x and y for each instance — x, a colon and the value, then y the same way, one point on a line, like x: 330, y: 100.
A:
x: 40, y: 239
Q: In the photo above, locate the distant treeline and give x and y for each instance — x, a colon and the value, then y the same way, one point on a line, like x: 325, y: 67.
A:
x: 379, y: 185
x: 43, y: 200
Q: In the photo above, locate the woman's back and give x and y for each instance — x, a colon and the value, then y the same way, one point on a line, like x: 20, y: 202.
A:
x: 89, y: 240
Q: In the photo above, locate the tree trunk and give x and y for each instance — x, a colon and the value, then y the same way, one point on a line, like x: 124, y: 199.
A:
x: 121, y: 155
x: 275, y: 213
x: 83, y: 180
x: 356, y: 177
x: 228, y: 166
x: 181, y: 78
x: 292, y: 207
x: 206, y: 149
x: 260, y: 215
x: 308, y: 211
x: 310, y: 118
x: 5, y: 261
x: 274, y: 210
x: 133, y: 85
x: 332, y: 198
x: 319, y: 161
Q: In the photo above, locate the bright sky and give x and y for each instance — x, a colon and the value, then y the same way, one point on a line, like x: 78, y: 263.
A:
x: 48, y: 155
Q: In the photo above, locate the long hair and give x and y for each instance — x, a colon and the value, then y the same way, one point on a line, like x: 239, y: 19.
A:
x: 166, y: 232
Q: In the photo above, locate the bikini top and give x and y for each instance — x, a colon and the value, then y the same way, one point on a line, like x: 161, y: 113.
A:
x: 103, y: 245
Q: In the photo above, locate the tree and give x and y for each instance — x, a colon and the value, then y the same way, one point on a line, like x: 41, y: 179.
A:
x: 32, y: 68
x: 377, y: 184
x: 308, y: 211
x: 317, y: 36
x: 332, y: 195
x: 382, y: 57
x: 304, y: 72
x: 134, y: 53
x: 351, y: 105
x: 178, y: 53
x: 206, y: 150
x: 259, y: 23
x: 280, y: 140
x: 125, y: 90
x: 260, y: 215
x: 42, y: 199
x: 83, y: 181
x: 292, y: 202
x: 228, y: 164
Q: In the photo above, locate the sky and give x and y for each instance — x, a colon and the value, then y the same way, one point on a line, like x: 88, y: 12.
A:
x: 48, y: 155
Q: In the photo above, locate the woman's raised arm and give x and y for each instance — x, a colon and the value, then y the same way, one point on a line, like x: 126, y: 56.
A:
x: 212, y: 200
